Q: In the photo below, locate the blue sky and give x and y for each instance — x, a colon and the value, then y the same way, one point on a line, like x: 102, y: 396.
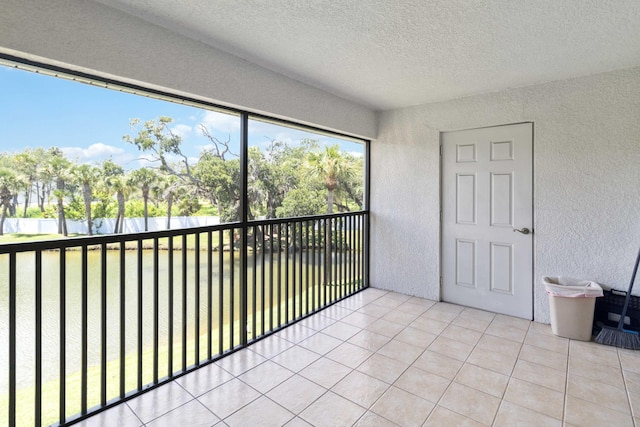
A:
x: 88, y: 122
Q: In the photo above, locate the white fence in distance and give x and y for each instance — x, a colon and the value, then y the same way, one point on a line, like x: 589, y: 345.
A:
x: 105, y: 225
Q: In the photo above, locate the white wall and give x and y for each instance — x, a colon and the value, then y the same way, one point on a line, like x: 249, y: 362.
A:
x: 586, y: 181
x: 88, y: 36
x: 105, y: 225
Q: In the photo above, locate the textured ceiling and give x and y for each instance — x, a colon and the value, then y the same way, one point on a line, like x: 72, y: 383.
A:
x: 397, y: 53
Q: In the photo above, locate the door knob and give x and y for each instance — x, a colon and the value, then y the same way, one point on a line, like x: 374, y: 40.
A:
x: 522, y: 230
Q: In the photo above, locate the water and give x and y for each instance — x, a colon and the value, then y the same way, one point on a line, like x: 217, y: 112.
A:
x: 25, y: 305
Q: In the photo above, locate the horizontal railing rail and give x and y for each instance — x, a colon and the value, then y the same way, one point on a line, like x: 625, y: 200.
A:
x: 93, y: 321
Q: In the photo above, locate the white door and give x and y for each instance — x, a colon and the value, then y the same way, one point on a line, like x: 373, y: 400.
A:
x: 487, y: 219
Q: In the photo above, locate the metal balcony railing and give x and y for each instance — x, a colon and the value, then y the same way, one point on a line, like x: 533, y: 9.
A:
x: 89, y: 322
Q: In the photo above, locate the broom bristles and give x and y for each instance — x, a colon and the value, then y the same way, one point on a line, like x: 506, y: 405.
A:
x: 619, y: 338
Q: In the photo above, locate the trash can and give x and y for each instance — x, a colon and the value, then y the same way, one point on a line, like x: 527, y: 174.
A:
x: 572, y: 304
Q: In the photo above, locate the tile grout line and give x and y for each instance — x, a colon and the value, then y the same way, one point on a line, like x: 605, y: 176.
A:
x: 495, y: 417
x: 626, y: 388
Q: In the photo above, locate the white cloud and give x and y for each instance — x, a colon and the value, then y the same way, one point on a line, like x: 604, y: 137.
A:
x: 97, y: 153
x: 215, y: 121
x: 183, y: 131
x: 93, y: 152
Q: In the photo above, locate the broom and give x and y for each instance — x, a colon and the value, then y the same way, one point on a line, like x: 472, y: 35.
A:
x: 620, y: 337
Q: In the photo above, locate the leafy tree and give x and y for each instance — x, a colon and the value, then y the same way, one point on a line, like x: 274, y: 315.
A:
x: 216, y: 174
x: 302, y: 202
x: 218, y: 181
x: 155, y: 137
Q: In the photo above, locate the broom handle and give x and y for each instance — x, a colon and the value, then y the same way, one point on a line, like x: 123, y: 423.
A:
x: 628, y: 297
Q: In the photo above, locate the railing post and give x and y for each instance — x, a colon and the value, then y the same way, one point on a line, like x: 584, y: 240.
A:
x: 12, y: 339
x: 244, y: 209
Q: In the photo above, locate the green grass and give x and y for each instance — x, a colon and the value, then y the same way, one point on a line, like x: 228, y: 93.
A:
x: 25, y: 397
x: 35, y: 237
x: 146, y: 244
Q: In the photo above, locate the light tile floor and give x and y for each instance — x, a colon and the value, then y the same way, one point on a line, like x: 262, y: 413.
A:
x: 385, y: 359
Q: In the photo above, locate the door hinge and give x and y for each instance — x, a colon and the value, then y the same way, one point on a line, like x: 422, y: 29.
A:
x: 440, y: 216
x: 440, y: 150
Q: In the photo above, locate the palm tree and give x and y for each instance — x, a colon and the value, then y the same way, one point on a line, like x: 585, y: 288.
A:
x: 58, y: 167
x: 121, y: 184
x: 168, y: 186
x: 86, y: 176
x: 144, y: 178
x: 332, y: 167
x: 27, y: 167
x: 116, y: 181
x: 9, y: 185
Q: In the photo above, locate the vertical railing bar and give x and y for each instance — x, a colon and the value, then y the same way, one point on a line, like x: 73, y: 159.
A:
x: 170, y: 308
x: 338, y: 259
x: 84, y: 338
x: 364, y: 245
x: 220, y: 291
x: 325, y: 277
x: 232, y: 292
x: 354, y: 254
x: 184, y: 302
x: 271, y: 311
x: 306, y: 281
x: 12, y: 338
x: 38, y: 333
x: 123, y: 316
x: 103, y: 322
x: 279, y: 280
x: 254, y: 303
x: 365, y: 248
x: 340, y: 250
x: 156, y: 309
x: 341, y: 271
x: 244, y: 230
x: 286, y: 273
x: 314, y: 289
x: 262, y: 278
x: 335, y: 265
x: 320, y: 264
x: 294, y: 268
x: 358, y: 251
x: 345, y: 255
x: 330, y: 259
x: 63, y: 336
x: 197, y: 300
x: 139, y: 325
x: 209, y: 295
x: 300, y: 270
x: 352, y: 275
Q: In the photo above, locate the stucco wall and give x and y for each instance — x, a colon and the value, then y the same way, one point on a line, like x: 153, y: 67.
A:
x: 586, y: 181
x: 88, y: 36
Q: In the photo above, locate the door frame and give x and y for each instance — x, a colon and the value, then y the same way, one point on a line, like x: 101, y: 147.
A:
x: 533, y: 212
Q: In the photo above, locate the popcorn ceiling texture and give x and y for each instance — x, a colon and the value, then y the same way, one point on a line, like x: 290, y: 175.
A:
x: 390, y: 54
x: 586, y: 182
